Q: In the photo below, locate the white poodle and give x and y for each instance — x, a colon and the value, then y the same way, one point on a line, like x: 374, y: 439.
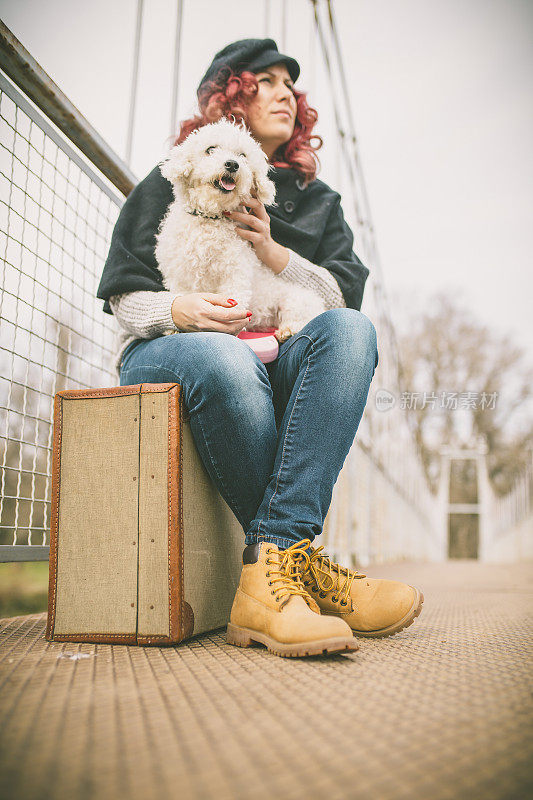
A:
x: 198, y: 250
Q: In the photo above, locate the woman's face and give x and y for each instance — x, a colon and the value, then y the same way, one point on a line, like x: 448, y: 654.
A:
x: 268, y: 125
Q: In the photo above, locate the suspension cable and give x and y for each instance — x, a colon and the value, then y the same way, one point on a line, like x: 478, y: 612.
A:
x: 349, y: 149
x: 134, y: 78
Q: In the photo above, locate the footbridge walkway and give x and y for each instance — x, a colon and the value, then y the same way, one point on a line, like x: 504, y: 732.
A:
x: 442, y: 710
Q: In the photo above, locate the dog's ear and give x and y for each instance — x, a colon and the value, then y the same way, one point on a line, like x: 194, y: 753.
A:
x: 177, y: 165
x: 264, y: 188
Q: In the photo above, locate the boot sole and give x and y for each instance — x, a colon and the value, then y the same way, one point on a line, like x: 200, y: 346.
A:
x: 409, y: 618
x: 245, y: 637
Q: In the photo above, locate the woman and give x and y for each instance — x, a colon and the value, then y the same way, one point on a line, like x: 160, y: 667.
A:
x: 274, y: 436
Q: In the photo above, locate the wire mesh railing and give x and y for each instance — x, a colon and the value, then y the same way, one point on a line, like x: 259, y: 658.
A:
x: 372, y: 520
x: 56, y: 218
x: 512, y: 521
x: 517, y: 505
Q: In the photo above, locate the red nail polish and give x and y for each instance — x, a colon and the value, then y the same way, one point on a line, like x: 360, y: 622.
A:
x: 249, y: 314
x: 231, y: 300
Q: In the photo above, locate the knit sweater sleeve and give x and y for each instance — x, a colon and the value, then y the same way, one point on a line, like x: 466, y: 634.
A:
x: 303, y: 272
x: 145, y: 314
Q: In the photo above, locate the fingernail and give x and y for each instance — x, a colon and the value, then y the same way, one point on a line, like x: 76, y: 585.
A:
x: 231, y: 300
x: 249, y: 314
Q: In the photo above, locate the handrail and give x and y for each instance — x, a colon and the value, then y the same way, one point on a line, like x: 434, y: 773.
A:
x: 28, y: 74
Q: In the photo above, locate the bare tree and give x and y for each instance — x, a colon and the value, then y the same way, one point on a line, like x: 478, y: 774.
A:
x: 445, y: 349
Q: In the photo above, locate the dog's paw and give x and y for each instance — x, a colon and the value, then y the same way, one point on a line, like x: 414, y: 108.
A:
x: 282, y: 334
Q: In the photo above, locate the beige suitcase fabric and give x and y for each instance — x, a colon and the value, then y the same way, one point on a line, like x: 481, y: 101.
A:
x: 143, y: 548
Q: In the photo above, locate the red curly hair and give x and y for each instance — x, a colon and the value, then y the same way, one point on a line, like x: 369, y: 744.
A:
x: 230, y: 93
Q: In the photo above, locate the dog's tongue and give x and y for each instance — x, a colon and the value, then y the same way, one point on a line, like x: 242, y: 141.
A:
x: 227, y: 183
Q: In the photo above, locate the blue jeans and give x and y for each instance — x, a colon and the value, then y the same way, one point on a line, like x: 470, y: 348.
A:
x: 273, y: 437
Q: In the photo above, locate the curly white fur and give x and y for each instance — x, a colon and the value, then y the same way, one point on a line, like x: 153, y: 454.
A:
x: 197, y: 253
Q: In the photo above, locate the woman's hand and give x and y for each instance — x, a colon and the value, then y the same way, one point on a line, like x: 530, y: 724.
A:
x: 206, y: 311
x: 271, y: 253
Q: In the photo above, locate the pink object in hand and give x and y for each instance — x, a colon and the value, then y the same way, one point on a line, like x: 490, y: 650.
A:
x: 263, y: 343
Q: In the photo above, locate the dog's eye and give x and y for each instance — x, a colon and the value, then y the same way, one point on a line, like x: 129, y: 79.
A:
x: 208, y: 151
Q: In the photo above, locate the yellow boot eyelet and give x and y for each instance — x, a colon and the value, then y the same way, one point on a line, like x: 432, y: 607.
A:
x: 322, y: 594
x: 333, y: 598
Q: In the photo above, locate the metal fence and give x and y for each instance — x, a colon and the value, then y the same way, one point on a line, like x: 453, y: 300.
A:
x: 372, y: 520
x: 511, y: 531
x: 56, y: 218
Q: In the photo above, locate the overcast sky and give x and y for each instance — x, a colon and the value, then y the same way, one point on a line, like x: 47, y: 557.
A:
x: 442, y: 98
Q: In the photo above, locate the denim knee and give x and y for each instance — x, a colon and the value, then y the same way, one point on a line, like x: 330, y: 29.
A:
x: 226, y: 367
x: 349, y: 327
x: 217, y: 363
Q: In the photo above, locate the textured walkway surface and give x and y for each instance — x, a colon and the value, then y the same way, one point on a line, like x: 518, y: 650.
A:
x: 441, y: 710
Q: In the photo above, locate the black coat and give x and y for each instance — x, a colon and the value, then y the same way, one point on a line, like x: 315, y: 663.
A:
x: 307, y: 220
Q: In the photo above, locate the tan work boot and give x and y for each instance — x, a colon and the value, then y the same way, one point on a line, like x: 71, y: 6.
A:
x: 272, y: 607
x: 370, y: 606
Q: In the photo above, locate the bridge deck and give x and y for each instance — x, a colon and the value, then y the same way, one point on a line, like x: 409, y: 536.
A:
x: 440, y: 710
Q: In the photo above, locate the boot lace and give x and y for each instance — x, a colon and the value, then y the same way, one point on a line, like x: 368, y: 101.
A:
x: 322, y: 570
x: 286, y: 571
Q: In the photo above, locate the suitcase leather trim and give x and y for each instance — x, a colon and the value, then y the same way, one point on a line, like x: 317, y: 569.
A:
x: 181, y: 617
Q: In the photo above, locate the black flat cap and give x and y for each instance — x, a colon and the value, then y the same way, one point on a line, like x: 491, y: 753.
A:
x: 250, y: 54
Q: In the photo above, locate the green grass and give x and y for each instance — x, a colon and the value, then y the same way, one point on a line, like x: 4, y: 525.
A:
x: 23, y: 588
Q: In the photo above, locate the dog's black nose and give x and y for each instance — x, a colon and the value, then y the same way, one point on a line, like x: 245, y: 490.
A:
x: 231, y: 166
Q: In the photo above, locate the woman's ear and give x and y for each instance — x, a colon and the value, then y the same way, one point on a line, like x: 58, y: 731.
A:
x: 177, y: 165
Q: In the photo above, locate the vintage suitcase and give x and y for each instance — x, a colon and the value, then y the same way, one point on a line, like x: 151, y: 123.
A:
x: 143, y: 548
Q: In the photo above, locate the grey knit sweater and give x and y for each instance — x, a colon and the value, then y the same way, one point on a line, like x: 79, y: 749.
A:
x: 147, y: 314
